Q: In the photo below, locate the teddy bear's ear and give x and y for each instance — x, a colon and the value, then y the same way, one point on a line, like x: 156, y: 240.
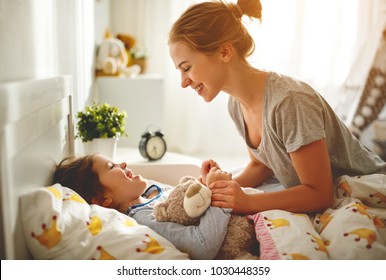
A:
x: 186, y: 179
x: 160, y: 212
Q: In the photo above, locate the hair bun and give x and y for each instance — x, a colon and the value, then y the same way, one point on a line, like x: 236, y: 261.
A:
x: 250, y: 8
x: 236, y: 11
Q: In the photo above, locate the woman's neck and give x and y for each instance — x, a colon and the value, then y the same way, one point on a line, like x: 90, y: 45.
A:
x: 247, y: 85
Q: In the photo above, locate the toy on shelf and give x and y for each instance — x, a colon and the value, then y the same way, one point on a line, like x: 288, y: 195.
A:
x: 112, y: 59
x: 137, y: 55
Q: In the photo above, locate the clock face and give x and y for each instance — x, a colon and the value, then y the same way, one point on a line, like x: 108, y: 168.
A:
x: 155, y: 147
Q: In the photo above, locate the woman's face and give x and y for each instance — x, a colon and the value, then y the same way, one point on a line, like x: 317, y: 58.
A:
x: 203, y: 73
x: 119, y: 182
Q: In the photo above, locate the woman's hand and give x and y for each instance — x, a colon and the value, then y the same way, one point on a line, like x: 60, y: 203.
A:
x: 228, y: 194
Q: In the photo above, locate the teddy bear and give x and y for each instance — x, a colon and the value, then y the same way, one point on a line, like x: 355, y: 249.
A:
x: 189, y: 199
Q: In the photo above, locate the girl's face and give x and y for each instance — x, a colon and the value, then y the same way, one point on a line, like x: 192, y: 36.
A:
x: 203, y: 73
x: 121, y: 185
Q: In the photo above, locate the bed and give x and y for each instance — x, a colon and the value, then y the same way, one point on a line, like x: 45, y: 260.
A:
x: 44, y: 221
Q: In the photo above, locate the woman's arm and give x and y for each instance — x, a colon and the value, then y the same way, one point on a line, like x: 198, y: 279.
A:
x: 254, y: 173
x: 315, y: 192
x: 201, y: 242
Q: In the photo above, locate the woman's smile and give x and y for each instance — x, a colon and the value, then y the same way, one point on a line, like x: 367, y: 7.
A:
x: 199, y: 87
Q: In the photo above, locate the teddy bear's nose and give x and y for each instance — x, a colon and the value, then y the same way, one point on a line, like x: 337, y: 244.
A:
x: 193, y: 190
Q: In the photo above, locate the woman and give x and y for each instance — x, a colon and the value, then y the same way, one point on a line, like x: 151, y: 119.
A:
x: 290, y: 130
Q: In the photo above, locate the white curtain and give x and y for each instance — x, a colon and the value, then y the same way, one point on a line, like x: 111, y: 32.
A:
x: 315, y: 40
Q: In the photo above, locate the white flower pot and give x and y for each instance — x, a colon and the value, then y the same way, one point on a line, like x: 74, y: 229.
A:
x: 105, y: 146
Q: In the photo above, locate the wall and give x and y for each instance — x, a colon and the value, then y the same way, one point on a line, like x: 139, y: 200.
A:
x: 102, y: 13
x: 118, y: 16
x: 45, y: 38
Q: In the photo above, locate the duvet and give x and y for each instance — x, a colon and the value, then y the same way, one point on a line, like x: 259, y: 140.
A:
x: 353, y: 228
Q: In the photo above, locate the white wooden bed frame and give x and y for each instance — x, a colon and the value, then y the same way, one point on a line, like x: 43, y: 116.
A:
x: 36, y: 132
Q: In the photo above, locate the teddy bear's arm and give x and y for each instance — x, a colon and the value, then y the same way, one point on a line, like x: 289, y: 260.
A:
x: 200, y: 242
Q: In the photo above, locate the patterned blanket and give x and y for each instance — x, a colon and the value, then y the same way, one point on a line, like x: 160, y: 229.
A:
x: 353, y: 228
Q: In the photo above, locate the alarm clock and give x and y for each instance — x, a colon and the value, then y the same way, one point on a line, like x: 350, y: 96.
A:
x: 152, y: 145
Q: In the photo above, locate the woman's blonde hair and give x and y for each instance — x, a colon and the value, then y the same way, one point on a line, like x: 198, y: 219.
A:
x: 204, y: 27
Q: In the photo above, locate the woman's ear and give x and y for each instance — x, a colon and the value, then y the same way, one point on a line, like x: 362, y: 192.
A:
x: 102, y: 201
x: 226, y: 52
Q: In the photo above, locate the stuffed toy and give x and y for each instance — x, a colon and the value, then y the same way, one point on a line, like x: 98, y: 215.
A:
x: 112, y: 59
x: 129, y: 42
x: 190, y: 199
x: 137, y: 56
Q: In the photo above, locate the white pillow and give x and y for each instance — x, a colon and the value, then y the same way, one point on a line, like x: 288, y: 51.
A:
x: 59, y: 224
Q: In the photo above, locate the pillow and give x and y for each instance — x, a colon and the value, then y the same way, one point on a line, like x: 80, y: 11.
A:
x: 284, y: 235
x: 59, y: 224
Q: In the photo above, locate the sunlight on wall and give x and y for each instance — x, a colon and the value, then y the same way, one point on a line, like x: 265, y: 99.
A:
x: 312, y: 40
x: 329, y: 42
x: 43, y: 43
x: 22, y: 56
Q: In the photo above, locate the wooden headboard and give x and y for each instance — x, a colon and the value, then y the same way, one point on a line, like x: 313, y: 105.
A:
x: 36, y: 132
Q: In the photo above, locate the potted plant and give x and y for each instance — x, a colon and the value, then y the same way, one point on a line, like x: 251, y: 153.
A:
x: 100, y: 127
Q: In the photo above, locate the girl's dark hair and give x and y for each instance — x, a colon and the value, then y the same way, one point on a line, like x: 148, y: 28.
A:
x: 77, y: 173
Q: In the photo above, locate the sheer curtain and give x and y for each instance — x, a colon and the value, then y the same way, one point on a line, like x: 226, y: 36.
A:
x: 317, y: 41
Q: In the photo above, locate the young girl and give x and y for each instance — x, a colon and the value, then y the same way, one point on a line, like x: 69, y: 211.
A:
x: 100, y: 181
x: 290, y: 130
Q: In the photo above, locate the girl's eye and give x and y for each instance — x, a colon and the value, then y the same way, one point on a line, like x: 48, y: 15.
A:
x: 186, y: 69
x: 112, y: 165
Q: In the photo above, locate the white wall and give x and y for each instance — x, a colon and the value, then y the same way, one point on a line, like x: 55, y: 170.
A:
x: 45, y: 38
x: 102, y: 19
x: 24, y: 40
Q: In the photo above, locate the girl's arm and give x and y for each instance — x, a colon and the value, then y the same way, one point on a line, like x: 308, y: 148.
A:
x: 206, y: 166
x: 253, y: 175
x: 315, y: 192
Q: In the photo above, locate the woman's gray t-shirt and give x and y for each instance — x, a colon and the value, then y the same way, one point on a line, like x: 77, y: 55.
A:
x: 295, y: 115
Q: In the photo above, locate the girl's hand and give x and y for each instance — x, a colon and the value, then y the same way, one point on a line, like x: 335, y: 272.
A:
x: 228, y: 194
x: 205, y: 168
